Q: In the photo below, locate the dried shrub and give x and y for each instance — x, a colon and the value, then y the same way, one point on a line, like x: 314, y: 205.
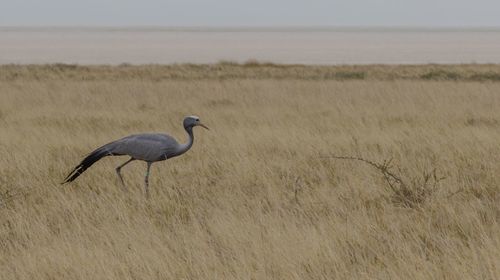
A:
x: 407, y: 191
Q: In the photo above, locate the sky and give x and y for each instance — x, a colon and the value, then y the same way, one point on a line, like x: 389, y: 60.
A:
x: 248, y: 13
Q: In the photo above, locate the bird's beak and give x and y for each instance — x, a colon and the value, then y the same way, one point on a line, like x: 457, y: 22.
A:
x: 204, y: 126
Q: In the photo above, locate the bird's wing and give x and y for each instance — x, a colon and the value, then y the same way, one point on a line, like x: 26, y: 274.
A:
x: 148, y: 147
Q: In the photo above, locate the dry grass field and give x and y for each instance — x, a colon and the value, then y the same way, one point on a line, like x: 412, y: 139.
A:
x: 259, y: 196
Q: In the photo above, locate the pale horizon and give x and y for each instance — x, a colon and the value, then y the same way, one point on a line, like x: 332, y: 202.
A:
x: 197, y: 31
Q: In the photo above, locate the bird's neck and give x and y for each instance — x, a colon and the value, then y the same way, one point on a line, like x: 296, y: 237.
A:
x: 186, y: 146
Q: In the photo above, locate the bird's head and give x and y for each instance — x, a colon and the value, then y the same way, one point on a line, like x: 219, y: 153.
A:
x: 192, y: 121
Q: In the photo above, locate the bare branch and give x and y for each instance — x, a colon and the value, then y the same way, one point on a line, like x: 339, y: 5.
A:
x: 410, y: 195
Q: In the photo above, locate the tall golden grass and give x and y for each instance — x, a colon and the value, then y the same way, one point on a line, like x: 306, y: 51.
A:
x: 259, y: 196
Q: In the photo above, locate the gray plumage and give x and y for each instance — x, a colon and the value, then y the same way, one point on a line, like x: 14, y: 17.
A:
x: 148, y: 147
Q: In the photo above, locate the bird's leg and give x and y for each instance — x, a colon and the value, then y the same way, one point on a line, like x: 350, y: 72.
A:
x: 146, y: 180
x: 120, y: 175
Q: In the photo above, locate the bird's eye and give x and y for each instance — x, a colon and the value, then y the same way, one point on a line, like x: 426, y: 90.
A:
x: 197, y: 120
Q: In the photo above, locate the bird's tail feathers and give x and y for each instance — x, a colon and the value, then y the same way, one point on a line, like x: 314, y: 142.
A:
x: 86, y: 163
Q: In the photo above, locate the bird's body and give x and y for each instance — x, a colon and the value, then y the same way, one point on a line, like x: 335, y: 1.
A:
x: 148, y: 147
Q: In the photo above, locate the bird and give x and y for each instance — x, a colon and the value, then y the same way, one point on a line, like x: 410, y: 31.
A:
x: 148, y: 147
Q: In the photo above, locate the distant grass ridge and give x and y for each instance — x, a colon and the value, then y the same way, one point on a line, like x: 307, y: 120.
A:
x: 443, y: 75
x: 254, y: 70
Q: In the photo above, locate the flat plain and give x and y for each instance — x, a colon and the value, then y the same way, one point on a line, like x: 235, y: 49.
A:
x: 314, y: 45
x: 260, y: 195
